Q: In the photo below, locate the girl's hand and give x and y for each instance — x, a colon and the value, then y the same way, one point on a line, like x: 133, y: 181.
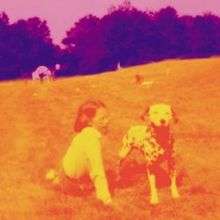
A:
x: 53, y: 176
x: 107, y: 202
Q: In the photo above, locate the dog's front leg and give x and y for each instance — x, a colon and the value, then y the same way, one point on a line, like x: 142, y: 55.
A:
x: 172, y: 174
x: 153, y: 189
x: 173, y: 187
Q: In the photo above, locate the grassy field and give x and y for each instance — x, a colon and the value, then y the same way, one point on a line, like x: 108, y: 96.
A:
x: 36, y: 124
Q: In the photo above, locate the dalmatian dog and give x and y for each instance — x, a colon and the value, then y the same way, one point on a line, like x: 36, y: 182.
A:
x: 155, y: 140
x: 54, y: 70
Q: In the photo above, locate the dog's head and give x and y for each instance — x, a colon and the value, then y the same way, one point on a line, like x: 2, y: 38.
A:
x: 159, y: 115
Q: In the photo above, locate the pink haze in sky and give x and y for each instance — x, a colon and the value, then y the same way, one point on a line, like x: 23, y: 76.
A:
x: 61, y: 14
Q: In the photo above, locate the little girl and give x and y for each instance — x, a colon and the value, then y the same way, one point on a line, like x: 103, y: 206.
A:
x: 84, y: 155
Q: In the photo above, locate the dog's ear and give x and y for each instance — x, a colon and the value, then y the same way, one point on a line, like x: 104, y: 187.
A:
x: 144, y: 115
x: 175, y: 118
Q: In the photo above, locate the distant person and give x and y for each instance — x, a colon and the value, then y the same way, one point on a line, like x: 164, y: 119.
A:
x: 119, y: 66
x: 41, y: 73
x: 84, y: 155
x: 54, y: 70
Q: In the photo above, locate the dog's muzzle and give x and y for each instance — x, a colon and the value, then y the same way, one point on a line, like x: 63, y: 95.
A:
x: 162, y: 121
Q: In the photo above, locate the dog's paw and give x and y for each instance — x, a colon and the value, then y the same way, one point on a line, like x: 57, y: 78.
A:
x: 175, y: 195
x: 174, y: 192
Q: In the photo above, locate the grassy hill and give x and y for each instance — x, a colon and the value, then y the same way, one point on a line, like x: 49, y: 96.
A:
x: 36, y: 128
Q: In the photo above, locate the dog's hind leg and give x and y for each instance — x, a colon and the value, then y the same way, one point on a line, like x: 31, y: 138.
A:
x: 173, y: 187
x: 172, y: 174
x: 154, y: 199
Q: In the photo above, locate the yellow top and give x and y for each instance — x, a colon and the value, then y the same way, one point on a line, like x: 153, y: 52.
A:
x: 84, y: 156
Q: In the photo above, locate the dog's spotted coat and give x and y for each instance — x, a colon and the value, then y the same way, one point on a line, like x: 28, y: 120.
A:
x: 153, y: 144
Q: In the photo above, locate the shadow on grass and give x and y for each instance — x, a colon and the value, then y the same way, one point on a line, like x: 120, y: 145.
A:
x: 129, y: 175
x: 131, y: 172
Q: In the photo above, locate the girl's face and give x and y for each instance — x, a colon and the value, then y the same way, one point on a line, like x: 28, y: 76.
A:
x: 101, y: 119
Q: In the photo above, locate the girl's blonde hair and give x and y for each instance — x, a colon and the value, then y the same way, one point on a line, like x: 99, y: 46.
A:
x: 86, y: 113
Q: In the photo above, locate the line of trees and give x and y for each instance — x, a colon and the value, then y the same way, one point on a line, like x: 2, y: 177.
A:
x: 24, y: 45
x: 124, y: 35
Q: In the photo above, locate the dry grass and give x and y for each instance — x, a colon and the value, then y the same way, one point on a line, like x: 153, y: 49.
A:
x: 36, y: 128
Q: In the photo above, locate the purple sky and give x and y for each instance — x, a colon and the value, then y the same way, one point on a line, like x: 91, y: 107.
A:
x: 61, y: 14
